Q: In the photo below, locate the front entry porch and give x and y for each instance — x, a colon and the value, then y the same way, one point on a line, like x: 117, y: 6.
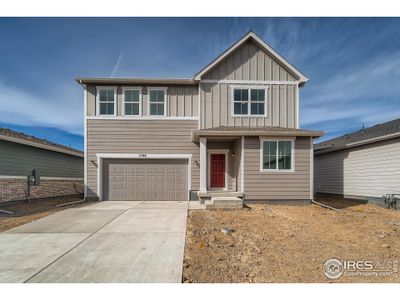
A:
x: 221, y: 172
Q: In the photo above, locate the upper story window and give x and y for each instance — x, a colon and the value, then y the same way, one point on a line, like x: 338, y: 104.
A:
x: 249, y: 102
x: 157, y: 101
x: 106, y: 98
x: 132, y: 101
x: 277, y: 155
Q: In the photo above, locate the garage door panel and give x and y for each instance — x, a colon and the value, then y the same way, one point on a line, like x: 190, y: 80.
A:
x: 139, y: 195
x: 138, y: 179
x: 180, y: 178
x: 180, y: 187
x: 152, y: 195
x: 181, y: 195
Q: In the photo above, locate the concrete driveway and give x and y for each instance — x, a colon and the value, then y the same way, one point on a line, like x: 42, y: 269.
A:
x: 110, y: 241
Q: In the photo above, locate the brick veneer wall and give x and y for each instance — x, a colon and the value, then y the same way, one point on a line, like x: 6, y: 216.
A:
x: 16, y: 189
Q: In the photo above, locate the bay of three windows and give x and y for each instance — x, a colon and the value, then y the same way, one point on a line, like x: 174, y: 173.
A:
x: 132, y: 101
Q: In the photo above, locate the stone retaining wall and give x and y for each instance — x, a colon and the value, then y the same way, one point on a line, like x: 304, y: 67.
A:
x: 17, y: 189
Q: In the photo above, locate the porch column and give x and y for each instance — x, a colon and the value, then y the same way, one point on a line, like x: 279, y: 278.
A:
x: 203, y: 164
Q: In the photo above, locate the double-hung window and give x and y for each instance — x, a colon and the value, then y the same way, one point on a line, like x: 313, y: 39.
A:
x: 157, y: 97
x: 277, y: 155
x: 106, y: 101
x: 249, y: 102
x: 132, y: 101
x: 241, y: 101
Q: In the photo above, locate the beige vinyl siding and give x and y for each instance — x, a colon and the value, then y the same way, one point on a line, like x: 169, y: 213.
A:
x: 216, y: 106
x: 139, y: 136
x: 19, y: 160
x: 367, y: 171
x: 249, y: 62
x: 277, y: 185
x: 182, y: 101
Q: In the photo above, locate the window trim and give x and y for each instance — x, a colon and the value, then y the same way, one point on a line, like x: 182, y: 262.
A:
x: 130, y: 88
x: 249, y: 88
x: 165, y: 89
x: 278, y: 139
x: 98, y: 89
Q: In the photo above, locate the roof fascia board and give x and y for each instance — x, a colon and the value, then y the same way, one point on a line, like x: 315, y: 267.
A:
x: 137, y: 81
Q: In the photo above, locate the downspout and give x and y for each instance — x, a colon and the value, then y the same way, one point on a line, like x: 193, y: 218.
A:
x: 324, y: 205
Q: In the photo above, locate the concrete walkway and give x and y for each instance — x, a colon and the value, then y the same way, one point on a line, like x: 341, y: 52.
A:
x: 110, y: 241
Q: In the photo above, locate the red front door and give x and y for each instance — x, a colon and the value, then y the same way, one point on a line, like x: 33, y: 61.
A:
x: 217, y: 169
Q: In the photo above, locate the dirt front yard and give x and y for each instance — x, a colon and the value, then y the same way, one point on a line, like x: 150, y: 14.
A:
x: 23, y: 212
x: 290, y: 243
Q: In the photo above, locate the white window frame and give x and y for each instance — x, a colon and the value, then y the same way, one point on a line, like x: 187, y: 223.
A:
x: 132, y: 88
x: 98, y: 89
x: 282, y: 139
x: 249, y: 88
x: 165, y: 89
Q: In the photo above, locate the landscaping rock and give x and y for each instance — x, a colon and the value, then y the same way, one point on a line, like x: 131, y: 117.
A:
x: 227, y: 230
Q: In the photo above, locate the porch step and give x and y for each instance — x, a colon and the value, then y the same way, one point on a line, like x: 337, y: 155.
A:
x: 211, y: 194
x: 224, y: 203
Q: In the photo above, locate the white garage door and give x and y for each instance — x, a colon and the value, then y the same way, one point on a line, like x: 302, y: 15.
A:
x: 145, y: 179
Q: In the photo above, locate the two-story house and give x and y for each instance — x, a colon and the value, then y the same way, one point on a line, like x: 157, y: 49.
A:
x: 231, y: 130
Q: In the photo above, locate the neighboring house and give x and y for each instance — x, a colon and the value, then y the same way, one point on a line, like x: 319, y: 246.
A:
x: 364, y: 164
x: 231, y: 130
x: 60, y: 167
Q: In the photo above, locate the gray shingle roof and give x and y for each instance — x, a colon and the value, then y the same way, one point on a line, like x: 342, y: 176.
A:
x: 253, y: 131
x: 267, y: 129
x: 374, y: 133
x: 37, y: 142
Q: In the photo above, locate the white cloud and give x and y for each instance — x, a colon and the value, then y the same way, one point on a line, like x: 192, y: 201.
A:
x: 61, y: 108
x: 368, y: 93
x: 118, y: 62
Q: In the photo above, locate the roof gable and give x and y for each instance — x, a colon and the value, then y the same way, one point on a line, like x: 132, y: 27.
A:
x: 252, y: 39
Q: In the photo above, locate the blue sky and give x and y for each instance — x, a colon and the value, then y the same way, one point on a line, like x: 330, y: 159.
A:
x: 353, y: 65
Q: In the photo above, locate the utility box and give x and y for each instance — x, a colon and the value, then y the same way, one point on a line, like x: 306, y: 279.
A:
x: 35, y: 178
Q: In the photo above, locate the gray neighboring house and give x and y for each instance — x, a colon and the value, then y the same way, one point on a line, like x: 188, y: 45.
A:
x: 364, y: 164
x: 60, y: 167
x: 232, y: 130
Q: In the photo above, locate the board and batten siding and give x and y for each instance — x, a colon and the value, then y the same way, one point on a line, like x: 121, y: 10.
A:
x: 371, y: 170
x: 182, y: 101
x: 249, y: 62
x: 277, y: 185
x: 216, y: 106
x: 139, y: 136
x: 19, y: 160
